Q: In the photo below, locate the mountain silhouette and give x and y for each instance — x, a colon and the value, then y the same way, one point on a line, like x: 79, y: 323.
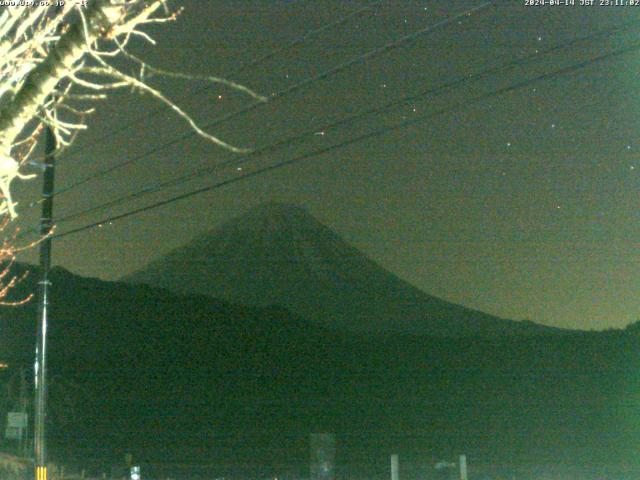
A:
x: 279, y: 254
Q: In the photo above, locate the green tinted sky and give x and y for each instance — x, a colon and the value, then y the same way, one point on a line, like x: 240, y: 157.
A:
x: 524, y: 205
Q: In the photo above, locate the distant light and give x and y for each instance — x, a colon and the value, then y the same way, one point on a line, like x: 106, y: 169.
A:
x: 135, y: 473
x: 219, y: 97
x: 3, y: 365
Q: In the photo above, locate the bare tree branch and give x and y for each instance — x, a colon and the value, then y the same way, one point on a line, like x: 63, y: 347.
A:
x: 42, y: 80
x: 50, y: 59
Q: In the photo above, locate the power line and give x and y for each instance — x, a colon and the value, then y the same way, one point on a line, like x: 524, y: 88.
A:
x: 372, y: 134
x: 350, y: 119
x: 287, y: 91
x: 244, y: 66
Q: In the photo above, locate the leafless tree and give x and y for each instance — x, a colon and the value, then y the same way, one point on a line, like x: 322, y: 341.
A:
x: 57, y: 59
x: 8, y: 251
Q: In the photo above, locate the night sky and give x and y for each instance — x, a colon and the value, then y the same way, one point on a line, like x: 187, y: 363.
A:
x: 524, y: 205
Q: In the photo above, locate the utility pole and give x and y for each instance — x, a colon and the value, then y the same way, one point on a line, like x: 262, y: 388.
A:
x: 46, y: 224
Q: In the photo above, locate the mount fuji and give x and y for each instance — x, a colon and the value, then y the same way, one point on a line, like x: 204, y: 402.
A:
x: 279, y: 254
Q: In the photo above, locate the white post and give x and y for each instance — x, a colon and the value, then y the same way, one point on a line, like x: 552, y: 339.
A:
x: 395, y: 467
x: 463, y: 467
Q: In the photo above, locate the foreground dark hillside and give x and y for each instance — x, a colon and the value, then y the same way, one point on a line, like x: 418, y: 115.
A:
x: 176, y: 378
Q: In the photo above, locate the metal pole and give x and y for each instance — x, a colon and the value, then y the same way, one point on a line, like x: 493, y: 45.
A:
x: 24, y: 408
x: 395, y: 467
x: 46, y: 223
x: 463, y: 467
